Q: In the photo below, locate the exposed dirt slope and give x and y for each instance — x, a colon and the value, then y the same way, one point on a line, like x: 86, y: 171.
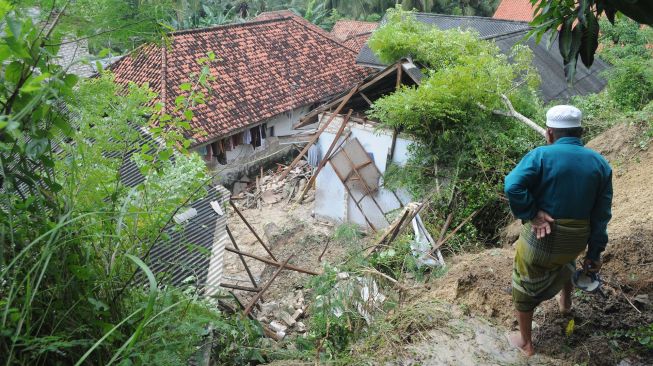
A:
x: 480, y: 281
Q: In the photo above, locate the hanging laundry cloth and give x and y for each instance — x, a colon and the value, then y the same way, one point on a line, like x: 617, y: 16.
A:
x: 261, y: 132
x: 247, y: 138
x: 314, y: 155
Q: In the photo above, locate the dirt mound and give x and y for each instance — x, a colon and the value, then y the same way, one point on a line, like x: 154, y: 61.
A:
x: 479, y: 282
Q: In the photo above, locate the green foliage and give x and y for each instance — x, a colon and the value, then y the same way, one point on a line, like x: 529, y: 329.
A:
x: 642, y: 335
x: 623, y: 39
x: 630, y: 82
x: 347, y: 233
x: 337, y: 308
x: 458, y: 144
x: 577, y: 25
x: 73, y: 236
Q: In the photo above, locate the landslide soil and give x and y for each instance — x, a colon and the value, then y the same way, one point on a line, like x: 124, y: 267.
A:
x: 480, y: 282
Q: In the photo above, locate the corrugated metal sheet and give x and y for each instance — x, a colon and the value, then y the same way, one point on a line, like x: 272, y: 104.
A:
x: 506, y: 34
x: 192, y: 252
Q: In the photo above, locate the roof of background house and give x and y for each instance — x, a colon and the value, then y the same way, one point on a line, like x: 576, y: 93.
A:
x: 264, y: 68
x: 506, y: 34
x: 353, y: 33
x: 71, y: 54
x: 514, y: 10
x: 345, y: 28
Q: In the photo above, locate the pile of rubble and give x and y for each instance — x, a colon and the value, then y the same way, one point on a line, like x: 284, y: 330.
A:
x: 284, y: 316
x: 270, y: 188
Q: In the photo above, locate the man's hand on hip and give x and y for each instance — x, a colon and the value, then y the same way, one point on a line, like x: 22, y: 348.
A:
x: 541, y: 224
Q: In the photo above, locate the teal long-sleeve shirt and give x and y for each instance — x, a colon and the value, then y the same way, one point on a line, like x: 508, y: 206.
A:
x: 567, y: 181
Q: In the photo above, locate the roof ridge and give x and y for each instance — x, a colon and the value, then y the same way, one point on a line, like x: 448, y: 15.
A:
x: 500, y: 36
x: 323, y: 33
x: 357, y: 35
x: 474, y: 17
x: 226, y: 26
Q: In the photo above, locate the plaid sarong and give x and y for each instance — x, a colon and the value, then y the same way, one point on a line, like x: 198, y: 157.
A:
x: 542, y: 267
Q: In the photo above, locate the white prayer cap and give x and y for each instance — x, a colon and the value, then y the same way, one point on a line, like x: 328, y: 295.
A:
x: 563, y: 116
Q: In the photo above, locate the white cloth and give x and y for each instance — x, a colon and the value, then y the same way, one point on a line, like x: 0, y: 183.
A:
x: 563, y: 116
x: 247, y: 139
x: 314, y: 155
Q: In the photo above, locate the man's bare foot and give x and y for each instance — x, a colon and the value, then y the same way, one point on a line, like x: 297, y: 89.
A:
x: 515, y: 339
x: 564, y: 302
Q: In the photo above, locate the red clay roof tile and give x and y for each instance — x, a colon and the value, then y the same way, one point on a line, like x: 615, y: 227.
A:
x: 520, y: 10
x: 345, y: 29
x: 264, y: 68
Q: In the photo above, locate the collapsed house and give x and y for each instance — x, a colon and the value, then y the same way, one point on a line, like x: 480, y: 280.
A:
x: 349, y: 188
x: 268, y: 73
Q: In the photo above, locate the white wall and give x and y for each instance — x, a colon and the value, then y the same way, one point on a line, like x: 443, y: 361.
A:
x: 331, y: 198
x: 283, y: 123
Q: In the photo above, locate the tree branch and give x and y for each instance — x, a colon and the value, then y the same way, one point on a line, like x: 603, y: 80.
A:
x: 514, y: 114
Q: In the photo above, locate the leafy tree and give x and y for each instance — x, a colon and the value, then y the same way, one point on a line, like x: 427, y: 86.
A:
x: 577, y: 25
x: 458, y: 142
x: 72, y: 236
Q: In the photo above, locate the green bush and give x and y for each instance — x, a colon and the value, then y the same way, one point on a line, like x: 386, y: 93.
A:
x: 630, y: 82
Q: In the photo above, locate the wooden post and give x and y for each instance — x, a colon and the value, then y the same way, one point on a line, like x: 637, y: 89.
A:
x: 319, y: 132
x: 252, y: 230
x: 271, y: 262
x: 326, y: 155
x: 253, y: 301
x: 236, y: 287
x: 242, y: 259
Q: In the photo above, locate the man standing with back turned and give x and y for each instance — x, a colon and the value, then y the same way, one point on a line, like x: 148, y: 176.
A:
x: 562, y: 192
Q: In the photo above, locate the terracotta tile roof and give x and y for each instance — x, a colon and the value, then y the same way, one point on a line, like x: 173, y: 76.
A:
x: 345, y: 29
x: 514, y: 10
x: 358, y: 41
x: 265, y: 67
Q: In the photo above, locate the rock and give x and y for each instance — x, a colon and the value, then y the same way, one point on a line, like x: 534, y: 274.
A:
x: 642, y: 299
x: 297, y: 314
x: 343, y: 275
x: 269, y: 308
x: 271, y: 231
x: 239, y: 187
x: 270, y: 197
x: 300, y: 327
x: 278, y: 327
x: 286, y: 318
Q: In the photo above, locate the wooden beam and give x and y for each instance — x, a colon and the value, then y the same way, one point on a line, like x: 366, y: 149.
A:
x: 319, y: 132
x: 271, y: 262
x: 304, y: 121
x: 327, y: 155
x: 367, y: 99
x: 236, y: 287
x: 256, y: 297
x: 242, y: 259
x: 252, y: 230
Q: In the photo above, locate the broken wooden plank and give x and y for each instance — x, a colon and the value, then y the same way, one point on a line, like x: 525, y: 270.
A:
x: 241, y: 288
x: 271, y: 262
x: 242, y: 259
x: 327, y: 154
x: 319, y: 132
x: 252, y: 230
x: 256, y: 297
